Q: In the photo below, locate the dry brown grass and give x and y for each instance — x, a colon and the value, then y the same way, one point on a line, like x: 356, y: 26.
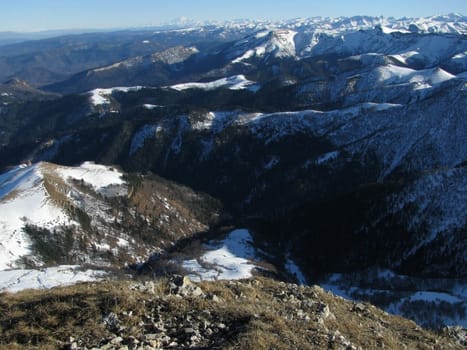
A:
x: 259, y: 313
x: 39, y: 319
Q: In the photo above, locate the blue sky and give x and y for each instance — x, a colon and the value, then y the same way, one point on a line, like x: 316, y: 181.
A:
x: 33, y: 15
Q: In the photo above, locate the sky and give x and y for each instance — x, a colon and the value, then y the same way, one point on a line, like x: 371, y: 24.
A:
x: 37, y: 15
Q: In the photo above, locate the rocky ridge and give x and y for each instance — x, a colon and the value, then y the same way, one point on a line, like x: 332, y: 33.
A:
x: 180, y: 314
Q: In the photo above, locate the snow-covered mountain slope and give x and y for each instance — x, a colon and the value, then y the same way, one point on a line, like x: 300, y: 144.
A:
x: 433, y: 123
x: 277, y: 43
x: 41, y: 195
x: 101, y: 96
x: 453, y: 23
x: 415, y: 147
x: 385, y: 83
x: 45, y: 278
x: 102, y: 102
x: 433, y: 303
x: 443, y: 24
x: 51, y: 214
x: 314, y: 36
x: 419, y: 49
x: 268, y: 43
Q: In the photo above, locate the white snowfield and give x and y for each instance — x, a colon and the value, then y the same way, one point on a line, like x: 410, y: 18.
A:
x: 24, y: 199
x: 101, y: 96
x: 96, y: 175
x: 231, y: 258
x: 236, y: 82
x: 17, y: 280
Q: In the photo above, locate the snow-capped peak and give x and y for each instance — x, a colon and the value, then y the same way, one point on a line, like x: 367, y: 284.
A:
x: 278, y: 43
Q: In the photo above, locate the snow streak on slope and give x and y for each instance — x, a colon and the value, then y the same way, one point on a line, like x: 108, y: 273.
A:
x: 227, y: 259
x: 294, y: 270
x: 25, y: 198
x: 145, y: 132
x: 236, y: 82
x: 17, y: 280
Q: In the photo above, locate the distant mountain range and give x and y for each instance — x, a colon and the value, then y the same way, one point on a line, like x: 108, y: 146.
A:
x: 43, y: 62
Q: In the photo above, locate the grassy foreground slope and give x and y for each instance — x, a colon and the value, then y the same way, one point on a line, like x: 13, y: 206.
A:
x: 257, y: 313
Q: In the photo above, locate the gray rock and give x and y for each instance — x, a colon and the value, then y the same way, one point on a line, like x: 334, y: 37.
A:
x: 152, y: 336
x: 183, y: 286
x: 189, y: 330
x: 116, y: 341
x: 112, y: 322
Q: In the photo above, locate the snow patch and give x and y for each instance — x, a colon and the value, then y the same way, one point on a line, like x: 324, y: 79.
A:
x: 150, y: 106
x: 224, y: 260
x: 17, y: 280
x: 96, y: 175
x: 236, y: 82
x: 101, y: 96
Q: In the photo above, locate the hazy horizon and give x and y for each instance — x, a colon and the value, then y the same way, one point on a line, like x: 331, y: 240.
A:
x: 26, y: 16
